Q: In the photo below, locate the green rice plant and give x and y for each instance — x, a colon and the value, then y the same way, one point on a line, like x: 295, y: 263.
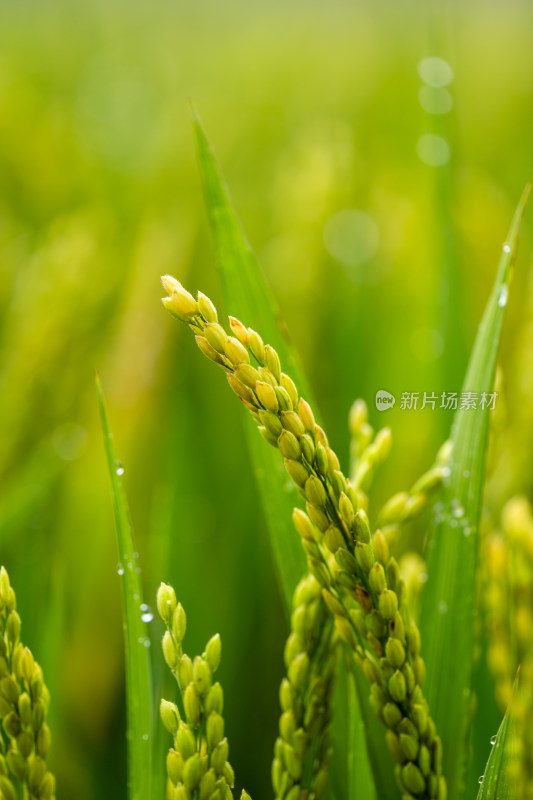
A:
x: 24, y: 700
x: 361, y: 584
x: 197, y: 765
x: 302, y: 752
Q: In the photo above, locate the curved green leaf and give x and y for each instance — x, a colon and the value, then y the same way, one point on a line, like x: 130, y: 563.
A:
x: 139, y: 699
x: 447, y: 623
x: 497, y: 782
x: 247, y: 295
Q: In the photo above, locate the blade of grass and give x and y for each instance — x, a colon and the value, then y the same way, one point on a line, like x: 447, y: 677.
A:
x: 360, y: 777
x: 488, y: 715
x: 247, y: 294
x: 139, y: 699
x: 350, y: 762
x: 447, y: 624
x: 242, y: 279
x: 497, y: 783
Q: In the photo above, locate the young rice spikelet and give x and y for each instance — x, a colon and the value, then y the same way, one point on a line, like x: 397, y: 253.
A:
x: 24, y: 701
x: 197, y: 763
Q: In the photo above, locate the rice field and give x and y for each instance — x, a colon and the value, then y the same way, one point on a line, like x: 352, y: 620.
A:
x: 375, y: 156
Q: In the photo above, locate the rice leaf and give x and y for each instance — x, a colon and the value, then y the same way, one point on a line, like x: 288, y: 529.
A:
x: 361, y: 782
x: 449, y: 599
x: 488, y: 716
x: 351, y: 774
x: 248, y: 296
x: 496, y: 782
x: 139, y: 699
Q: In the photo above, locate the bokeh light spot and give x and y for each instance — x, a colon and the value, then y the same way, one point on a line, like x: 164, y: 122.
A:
x: 351, y: 237
x: 69, y: 440
x: 435, y: 71
x: 435, y: 100
x: 433, y: 150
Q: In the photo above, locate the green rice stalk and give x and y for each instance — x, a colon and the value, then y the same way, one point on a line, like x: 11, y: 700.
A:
x: 302, y: 752
x: 360, y: 584
x: 413, y: 569
x: 406, y: 506
x: 24, y: 702
x: 367, y: 451
x: 197, y: 765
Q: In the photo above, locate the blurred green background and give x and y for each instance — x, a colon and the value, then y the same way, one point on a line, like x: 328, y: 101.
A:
x: 378, y: 223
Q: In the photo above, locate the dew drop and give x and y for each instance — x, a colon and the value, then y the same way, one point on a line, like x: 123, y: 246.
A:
x: 120, y: 569
x: 443, y: 607
x: 504, y: 294
x: 506, y: 247
x: 120, y: 469
x: 147, y: 616
x: 480, y: 779
x: 493, y: 739
x: 145, y: 737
